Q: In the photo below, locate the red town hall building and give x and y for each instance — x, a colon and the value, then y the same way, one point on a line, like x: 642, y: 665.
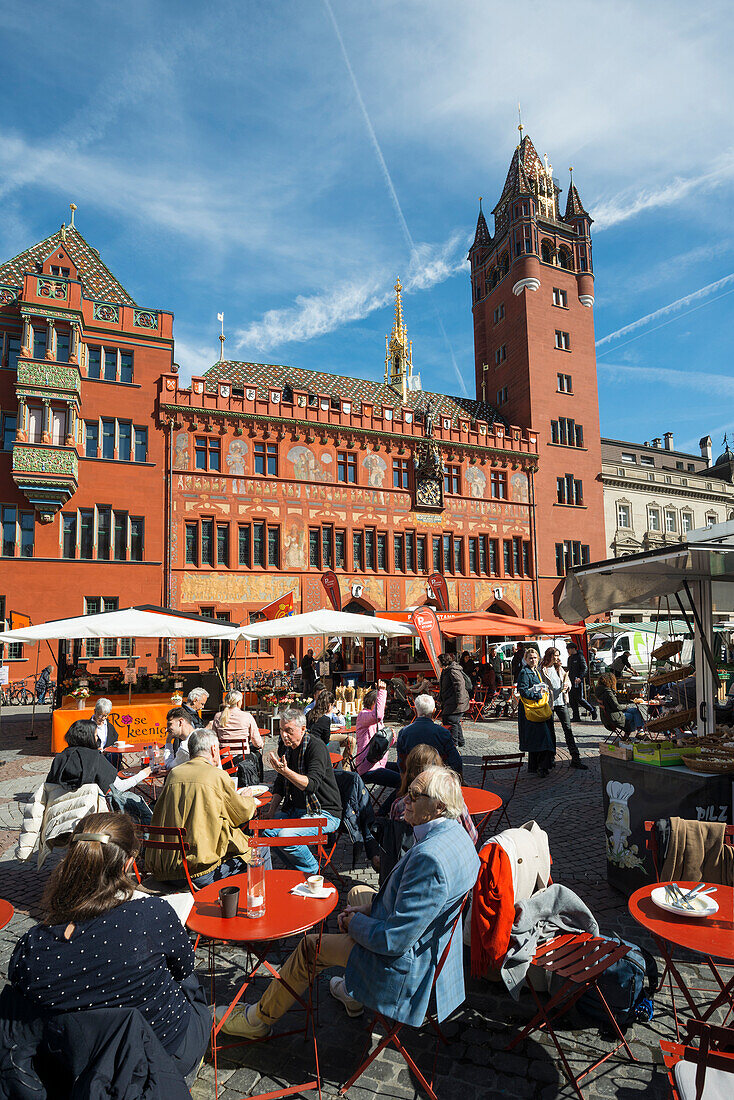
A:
x: 121, y: 486
x: 82, y: 471
x: 279, y: 474
x: 533, y: 297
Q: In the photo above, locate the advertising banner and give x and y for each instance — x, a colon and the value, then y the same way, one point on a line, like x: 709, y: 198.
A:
x: 426, y: 623
x: 330, y: 581
x: 142, y: 721
x: 437, y: 582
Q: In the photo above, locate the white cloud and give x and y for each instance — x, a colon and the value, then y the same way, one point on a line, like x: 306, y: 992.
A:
x: 318, y: 314
x: 631, y: 202
x: 720, y: 386
x: 675, y: 308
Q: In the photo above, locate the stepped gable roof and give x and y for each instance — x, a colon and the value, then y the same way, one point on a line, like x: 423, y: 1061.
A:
x: 525, y: 161
x: 98, y: 280
x: 574, y: 206
x: 263, y: 375
x: 482, y: 235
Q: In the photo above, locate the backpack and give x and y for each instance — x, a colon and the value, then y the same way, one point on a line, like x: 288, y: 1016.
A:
x: 378, y: 746
x: 469, y: 685
x: 628, y: 987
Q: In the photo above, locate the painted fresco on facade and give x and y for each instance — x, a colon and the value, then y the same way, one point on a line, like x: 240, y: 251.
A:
x: 181, y: 451
x: 236, y: 455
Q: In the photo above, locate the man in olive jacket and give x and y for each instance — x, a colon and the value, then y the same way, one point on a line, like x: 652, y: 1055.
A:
x: 454, y: 696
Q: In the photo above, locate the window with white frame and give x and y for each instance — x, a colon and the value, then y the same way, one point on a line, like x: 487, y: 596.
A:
x: 624, y: 515
x: 686, y: 522
x: 711, y: 519
x: 653, y: 519
x: 670, y: 521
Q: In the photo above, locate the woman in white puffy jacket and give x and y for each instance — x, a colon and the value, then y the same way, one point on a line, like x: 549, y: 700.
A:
x: 80, y: 781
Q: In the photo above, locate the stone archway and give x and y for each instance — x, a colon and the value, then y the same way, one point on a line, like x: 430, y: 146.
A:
x: 358, y: 606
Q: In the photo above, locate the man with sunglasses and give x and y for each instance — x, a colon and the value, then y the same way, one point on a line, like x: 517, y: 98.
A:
x: 390, y: 941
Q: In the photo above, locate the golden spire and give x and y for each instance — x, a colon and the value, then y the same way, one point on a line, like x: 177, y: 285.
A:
x: 398, y: 327
x: 520, y: 126
x: 398, y: 352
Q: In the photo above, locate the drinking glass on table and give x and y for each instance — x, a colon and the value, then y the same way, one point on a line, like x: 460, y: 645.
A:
x: 256, y: 883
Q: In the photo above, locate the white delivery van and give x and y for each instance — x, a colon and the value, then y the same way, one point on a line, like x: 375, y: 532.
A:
x: 640, y: 645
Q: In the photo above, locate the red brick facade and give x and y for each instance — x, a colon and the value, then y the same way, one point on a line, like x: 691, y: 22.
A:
x: 533, y: 294
x: 78, y: 529
x: 305, y: 481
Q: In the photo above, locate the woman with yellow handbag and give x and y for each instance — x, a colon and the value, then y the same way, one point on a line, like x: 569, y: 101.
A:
x: 535, y: 716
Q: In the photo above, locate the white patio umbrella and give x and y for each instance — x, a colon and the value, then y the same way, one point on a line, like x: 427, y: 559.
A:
x: 324, y: 622
x: 130, y: 622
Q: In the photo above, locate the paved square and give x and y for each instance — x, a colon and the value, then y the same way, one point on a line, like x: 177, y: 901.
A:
x: 475, y: 1065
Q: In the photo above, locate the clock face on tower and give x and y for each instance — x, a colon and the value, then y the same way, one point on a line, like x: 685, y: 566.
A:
x: 428, y: 493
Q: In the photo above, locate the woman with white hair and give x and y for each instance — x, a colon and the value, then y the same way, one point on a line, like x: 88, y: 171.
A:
x: 102, y: 710
x: 195, y: 703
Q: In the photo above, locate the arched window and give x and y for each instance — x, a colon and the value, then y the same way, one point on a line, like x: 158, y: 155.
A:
x: 564, y: 259
x: 504, y: 264
x: 546, y: 252
x: 495, y: 276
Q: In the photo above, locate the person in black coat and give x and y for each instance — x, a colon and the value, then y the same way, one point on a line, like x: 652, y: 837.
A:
x: 454, y: 696
x: 536, y: 738
x: 577, y: 669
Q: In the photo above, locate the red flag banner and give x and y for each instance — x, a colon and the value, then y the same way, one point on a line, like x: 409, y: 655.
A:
x: 330, y: 581
x: 437, y: 582
x: 278, y: 609
x: 426, y: 623
x: 19, y: 619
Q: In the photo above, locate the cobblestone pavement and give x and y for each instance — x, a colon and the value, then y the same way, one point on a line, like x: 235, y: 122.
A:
x: 475, y: 1065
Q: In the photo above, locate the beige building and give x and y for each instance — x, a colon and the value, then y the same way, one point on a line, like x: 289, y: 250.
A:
x: 655, y: 495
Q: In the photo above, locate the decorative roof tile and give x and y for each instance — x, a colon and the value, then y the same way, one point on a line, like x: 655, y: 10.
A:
x: 574, y: 206
x: 356, y: 390
x: 96, y: 277
x: 482, y: 235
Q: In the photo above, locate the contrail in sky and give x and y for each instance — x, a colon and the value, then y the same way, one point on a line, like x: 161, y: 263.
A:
x: 672, y: 307
x: 388, y: 180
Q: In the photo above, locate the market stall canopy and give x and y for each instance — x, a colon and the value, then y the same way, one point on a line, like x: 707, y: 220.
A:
x: 130, y: 622
x: 483, y: 623
x: 338, y: 624
x: 641, y: 579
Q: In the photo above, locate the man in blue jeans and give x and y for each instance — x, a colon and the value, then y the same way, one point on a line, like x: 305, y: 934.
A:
x: 304, y: 787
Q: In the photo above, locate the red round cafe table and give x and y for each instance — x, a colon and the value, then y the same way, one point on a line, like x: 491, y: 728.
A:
x: 478, y: 801
x: 6, y: 912
x: 285, y: 915
x: 129, y: 746
x: 712, y: 937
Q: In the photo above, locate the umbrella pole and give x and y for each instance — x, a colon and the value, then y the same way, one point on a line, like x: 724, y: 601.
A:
x: 33, y: 736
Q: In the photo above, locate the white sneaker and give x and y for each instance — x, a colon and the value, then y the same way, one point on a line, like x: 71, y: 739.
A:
x: 243, y: 1021
x: 338, y: 990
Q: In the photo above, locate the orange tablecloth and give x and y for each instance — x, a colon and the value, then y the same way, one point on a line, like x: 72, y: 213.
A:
x: 143, y: 720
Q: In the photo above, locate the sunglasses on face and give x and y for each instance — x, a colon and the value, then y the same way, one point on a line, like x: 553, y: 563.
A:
x: 415, y: 795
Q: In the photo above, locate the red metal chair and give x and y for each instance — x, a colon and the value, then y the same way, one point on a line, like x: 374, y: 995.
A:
x: 580, y: 959
x: 503, y: 761
x: 715, y: 1051
x: 478, y: 702
x: 393, y: 1029
x: 166, y: 838
x: 257, y: 827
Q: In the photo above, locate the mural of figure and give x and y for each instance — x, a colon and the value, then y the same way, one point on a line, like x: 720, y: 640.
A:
x: 305, y: 466
x: 376, y: 467
x: 181, y: 451
x: 236, y: 457
x: 519, y: 483
x: 476, y: 479
x: 295, y: 547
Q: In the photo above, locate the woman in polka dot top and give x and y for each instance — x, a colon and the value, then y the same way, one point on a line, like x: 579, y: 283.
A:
x: 98, y: 947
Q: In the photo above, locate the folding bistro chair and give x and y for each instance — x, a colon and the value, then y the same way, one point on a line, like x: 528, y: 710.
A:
x: 580, y: 959
x: 171, y: 839
x: 503, y: 761
x: 393, y: 1029
x: 478, y: 702
x: 713, y: 1058
x: 257, y: 827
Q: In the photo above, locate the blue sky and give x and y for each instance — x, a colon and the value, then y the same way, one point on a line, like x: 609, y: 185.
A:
x: 283, y: 162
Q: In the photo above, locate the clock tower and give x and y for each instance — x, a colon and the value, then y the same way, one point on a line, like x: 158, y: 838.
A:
x: 532, y: 301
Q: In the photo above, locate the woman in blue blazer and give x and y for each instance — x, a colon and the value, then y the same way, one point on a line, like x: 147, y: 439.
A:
x: 537, y: 739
